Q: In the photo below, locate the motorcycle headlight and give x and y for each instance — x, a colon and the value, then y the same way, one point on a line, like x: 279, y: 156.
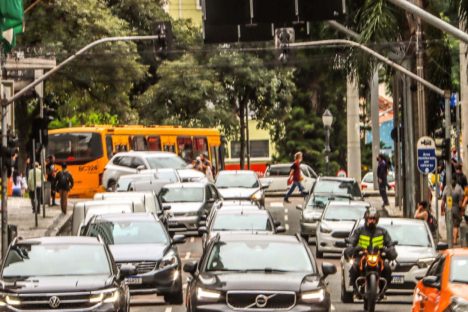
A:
x: 168, y: 260
x: 325, y: 229
x: 458, y: 304
x: 372, y: 258
x: 207, y: 294
x: 108, y: 296
x: 257, y: 195
x: 425, y: 262
x: 313, y: 296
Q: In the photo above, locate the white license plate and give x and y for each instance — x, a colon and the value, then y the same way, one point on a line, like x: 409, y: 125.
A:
x: 398, y: 279
x: 133, y: 280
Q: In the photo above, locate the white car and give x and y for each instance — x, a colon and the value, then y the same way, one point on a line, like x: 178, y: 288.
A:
x: 168, y: 175
x: 367, y: 183
x: 277, y: 176
x: 133, y: 162
x: 241, y: 185
x: 416, y: 251
x: 337, y: 221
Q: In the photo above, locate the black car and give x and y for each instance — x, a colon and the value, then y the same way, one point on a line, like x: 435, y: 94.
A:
x: 258, y: 272
x: 62, y: 273
x: 140, y: 241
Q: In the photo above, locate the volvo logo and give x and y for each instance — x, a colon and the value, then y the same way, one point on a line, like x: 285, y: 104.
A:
x: 54, y: 302
x: 261, y: 301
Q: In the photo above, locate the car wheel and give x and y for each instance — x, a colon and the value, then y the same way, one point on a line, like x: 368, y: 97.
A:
x: 111, y: 185
x: 174, y: 298
x: 318, y: 253
x: 346, y: 296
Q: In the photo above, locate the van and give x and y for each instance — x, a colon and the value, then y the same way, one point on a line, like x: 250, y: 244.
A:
x: 149, y: 199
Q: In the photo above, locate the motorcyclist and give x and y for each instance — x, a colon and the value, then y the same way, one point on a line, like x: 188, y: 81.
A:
x: 370, y: 235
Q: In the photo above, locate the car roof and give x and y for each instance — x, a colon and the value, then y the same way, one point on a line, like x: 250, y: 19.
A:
x: 229, y: 206
x: 456, y: 251
x: 338, y: 179
x: 286, y: 165
x: 350, y: 202
x: 108, y: 202
x: 241, y: 211
x: 125, y: 194
x: 135, y: 216
x: 185, y: 184
x: 69, y: 240
x: 397, y: 221
x: 146, y: 154
x: 248, y: 237
x: 232, y: 172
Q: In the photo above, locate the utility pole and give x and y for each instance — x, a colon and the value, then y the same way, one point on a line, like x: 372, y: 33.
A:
x: 353, y: 128
x: 464, y: 99
x: 448, y: 173
x: 374, y: 99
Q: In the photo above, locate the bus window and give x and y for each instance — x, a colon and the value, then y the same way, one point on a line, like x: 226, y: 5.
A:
x: 109, y: 146
x: 139, y: 143
x: 200, y: 145
x: 154, y: 143
x: 169, y: 148
x: 77, y: 147
x: 184, y: 145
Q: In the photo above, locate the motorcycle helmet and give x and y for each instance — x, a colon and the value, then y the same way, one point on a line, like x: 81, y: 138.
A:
x: 371, y: 213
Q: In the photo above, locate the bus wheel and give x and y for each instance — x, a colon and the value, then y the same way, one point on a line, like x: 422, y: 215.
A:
x: 111, y: 186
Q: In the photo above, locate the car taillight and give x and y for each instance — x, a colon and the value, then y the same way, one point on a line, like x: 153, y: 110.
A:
x: 363, y: 186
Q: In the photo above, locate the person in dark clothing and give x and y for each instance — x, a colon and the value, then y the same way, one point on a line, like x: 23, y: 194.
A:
x: 460, y: 176
x: 295, y: 177
x: 51, y: 173
x: 63, y: 184
x: 382, y: 171
x: 366, y: 236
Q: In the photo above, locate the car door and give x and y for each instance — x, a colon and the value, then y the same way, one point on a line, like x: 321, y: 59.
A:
x: 430, y: 295
x: 126, y: 166
x: 210, y: 199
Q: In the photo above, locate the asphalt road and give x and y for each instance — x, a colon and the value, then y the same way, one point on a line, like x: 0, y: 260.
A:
x: 289, y: 216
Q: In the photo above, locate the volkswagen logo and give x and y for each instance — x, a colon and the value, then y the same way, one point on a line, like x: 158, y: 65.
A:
x: 54, y: 302
x: 261, y: 301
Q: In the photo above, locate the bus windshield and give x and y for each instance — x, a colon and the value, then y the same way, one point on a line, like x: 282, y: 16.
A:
x: 76, y: 147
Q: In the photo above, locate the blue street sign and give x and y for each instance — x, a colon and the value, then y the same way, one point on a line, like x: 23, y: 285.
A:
x: 453, y: 99
x: 426, y: 160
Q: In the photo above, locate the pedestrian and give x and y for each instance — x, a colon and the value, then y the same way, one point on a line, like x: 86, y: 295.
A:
x: 35, y: 193
x: 295, y: 177
x: 457, y: 202
x: 63, y: 184
x: 382, y: 171
x: 51, y: 172
x: 460, y: 176
x: 423, y: 212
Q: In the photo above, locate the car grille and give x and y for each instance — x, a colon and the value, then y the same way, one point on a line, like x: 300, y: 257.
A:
x: 404, y: 267
x: 47, y: 301
x: 257, y: 300
x: 340, y: 234
x: 141, y: 267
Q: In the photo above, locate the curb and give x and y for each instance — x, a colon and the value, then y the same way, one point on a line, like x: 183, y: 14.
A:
x: 59, y: 224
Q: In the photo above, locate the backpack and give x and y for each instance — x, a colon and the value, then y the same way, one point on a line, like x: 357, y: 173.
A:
x: 432, y: 222
x: 63, y: 180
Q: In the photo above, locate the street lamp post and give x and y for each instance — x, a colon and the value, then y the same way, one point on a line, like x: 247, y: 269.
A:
x: 327, y: 119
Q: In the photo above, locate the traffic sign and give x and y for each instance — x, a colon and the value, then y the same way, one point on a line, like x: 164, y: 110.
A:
x: 341, y: 174
x: 426, y: 155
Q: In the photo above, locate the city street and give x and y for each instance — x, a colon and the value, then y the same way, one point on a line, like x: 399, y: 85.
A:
x: 289, y: 216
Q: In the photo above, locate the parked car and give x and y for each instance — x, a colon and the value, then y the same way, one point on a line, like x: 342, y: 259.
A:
x: 149, y: 199
x: 83, y: 211
x: 416, y: 252
x: 63, y: 274
x: 167, y: 175
x: 189, y: 204
x: 257, y: 272
x: 338, y: 219
x: 240, y: 220
x: 277, y: 176
x: 445, y: 286
x: 191, y: 175
x: 140, y: 241
x: 337, y: 186
x: 367, y: 183
x: 241, y: 185
x: 132, y: 162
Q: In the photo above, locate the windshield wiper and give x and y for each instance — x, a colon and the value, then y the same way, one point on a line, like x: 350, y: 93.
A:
x: 266, y: 270
x: 332, y: 219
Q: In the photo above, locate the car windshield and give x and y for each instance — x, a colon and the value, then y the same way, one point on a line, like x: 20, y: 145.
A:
x: 344, y: 212
x: 337, y: 187
x: 125, y: 180
x: 259, y: 256
x: 25, y: 260
x: 174, y: 162
x: 320, y: 202
x: 369, y: 178
x: 128, y: 232
x: 240, y: 222
x: 409, y: 234
x: 182, y: 194
x: 167, y: 176
x: 237, y: 180
x: 458, y: 271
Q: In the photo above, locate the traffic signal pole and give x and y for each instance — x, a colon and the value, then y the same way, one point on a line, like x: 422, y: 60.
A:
x: 448, y: 174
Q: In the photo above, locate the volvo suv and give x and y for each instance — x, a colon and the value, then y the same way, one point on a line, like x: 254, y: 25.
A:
x: 63, y: 274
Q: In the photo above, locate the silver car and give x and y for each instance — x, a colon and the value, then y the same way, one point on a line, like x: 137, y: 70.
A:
x: 277, y: 176
x: 167, y: 175
x: 416, y: 251
x: 338, y: 220
x: 241, y: 185
x: 132, y: 162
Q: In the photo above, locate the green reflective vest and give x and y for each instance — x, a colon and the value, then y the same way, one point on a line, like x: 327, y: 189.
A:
x: 365, y: 241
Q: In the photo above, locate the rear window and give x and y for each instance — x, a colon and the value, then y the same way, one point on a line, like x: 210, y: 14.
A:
x: 337, y: 187
x: 75, y: 147
x: 278, y: 171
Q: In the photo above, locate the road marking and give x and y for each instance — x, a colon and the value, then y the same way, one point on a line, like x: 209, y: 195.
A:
x: 168, y: 309
x: 192, y: 239
x: 276, y: 204
x: 286, y: 210
x: 333, y: 308
x: 285, y: 218
x: 187, y: 256
x: 286, y: 226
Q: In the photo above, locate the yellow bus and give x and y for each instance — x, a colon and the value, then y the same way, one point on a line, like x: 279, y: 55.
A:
x: 87, y: 150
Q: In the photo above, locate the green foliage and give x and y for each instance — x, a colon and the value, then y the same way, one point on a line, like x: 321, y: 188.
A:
x: 87, y: 119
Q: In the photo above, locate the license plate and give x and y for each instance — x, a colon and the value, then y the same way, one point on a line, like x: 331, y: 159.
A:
x: 133, y: 280
x: 171, y: 222
x: 398, y: 279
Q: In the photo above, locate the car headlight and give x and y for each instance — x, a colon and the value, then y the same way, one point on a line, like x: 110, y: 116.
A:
x: 325, y: 229
x: 12, y: 300
x: 107, y: 296
x: 425, y: 262
x: 313, y: 296
x: 257, y: 195
x: 458, y: 304
x: 207, y: 294
x: 168, y: 260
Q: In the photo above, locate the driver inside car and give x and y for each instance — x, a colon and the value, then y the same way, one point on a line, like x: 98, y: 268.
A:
x: 370, y: 236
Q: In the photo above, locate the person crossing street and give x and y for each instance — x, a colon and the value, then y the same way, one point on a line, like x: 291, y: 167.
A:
x: 295, y: 177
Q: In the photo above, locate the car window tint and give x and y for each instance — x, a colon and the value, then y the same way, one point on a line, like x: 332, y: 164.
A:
x: 116, y: 160
x: 279, y: 171
x: 136, y: 162
x: 458, y: 271
x: 126, y: 161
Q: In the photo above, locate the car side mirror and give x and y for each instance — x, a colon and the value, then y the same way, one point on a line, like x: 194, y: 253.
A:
x: 277, y: 223
x: 299, y: 207
x: 341, y: 244
x: 190, y: 267
x: 441, y: 246
x: 264, y: 186
x: 280, y: 229
x: 202, y: 230
x: 166, y: 207
x: 431, y: 281
x: 328, y: 269
x: 141, y: 167
x: 178, y: 239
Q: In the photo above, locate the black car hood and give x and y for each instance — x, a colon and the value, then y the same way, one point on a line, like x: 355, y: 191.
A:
x: 138, y: 252
x: 290, y: 281
x: 56, y: 284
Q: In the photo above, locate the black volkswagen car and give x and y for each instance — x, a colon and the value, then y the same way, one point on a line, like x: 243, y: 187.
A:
x: 140, y: 241
x: 257, y: 272
x: 64, y: 274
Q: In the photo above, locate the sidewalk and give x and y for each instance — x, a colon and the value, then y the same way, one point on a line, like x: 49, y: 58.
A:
x: 20, y: 214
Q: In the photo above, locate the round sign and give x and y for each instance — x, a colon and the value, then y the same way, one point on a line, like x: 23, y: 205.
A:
x: 342, y: 174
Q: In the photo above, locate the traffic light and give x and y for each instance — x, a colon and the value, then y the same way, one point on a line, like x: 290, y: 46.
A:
x: 8, y: 153
x: 40, y: 127
x: 442, y: 145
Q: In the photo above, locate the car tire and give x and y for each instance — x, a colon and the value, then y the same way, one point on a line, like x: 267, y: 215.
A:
x: 111, y: 185
x: 318, y: 253
x: 346, y: 296
x: 174, y: 298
